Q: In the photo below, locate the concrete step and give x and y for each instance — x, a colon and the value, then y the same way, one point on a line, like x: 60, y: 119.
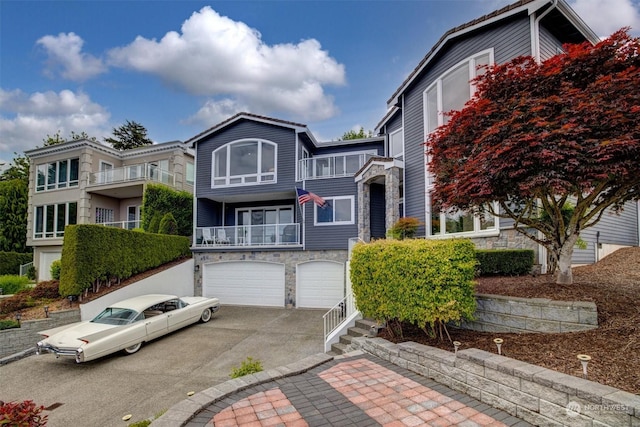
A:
x: 357, y: 332
x: 365, y: 324
x: 346, y: 339
x: 339, y: 348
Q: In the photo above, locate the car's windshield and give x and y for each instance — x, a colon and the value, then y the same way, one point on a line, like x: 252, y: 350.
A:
x: 115, y: 316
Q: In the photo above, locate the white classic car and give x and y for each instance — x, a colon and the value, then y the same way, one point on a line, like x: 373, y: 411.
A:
x: 126, y: 325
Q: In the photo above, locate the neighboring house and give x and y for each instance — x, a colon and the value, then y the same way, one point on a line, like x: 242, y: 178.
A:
x: 253, y: 243
x: 86, y: 182
x: 441, y: 83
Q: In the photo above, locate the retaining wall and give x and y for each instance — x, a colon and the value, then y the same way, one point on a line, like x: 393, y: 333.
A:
x: 537, y: 395
x: 19, y: 339
x: 496, y: 313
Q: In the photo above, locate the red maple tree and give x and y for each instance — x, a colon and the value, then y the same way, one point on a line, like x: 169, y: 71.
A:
x: 551, y: 146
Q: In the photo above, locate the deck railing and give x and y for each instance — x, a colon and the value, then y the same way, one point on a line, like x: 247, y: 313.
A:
x: 248, y: 235
x: 138, y: 172
x: 332, y: 166
x: 126, y: 225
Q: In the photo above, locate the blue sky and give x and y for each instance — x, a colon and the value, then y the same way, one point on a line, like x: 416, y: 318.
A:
x: 180, y: 67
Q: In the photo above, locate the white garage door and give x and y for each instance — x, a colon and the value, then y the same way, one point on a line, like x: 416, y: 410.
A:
x: 320, y: 284
x: 46, y: 259
x: 245, y: 283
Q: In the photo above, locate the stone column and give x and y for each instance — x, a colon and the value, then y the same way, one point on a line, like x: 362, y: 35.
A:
x: 364, y: 208
x: 392, y: 196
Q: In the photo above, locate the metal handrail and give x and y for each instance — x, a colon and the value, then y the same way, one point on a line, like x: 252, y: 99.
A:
x: 344, y: 165
x: 137, y: 172
x: 338, y: 314
x: 24, y: 268
x: 248, y: 235
x: 126, y: 225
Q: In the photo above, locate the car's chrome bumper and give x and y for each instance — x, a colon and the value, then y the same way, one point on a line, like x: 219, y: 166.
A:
x: 215, y: 308
x: 75, y: 353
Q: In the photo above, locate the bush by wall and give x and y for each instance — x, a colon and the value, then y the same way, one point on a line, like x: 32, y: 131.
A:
x: 55, y: 269
x: 160, y: 200
x: 168, y: 225
x: 10, y: 262
x: 423, y: 282
x: 29, y: 297
x: 93, y: 254
x: 11, y: 284
x: 505, y: 262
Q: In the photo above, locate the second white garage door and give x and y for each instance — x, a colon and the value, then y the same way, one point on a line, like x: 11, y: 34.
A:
x: 245, y: 283
x: 320, y: 284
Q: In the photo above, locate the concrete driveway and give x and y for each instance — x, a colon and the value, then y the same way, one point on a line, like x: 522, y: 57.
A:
x: 101, y: 392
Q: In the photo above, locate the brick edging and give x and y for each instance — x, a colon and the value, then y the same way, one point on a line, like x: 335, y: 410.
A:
x: 182, y: 412
x: 535, y: 394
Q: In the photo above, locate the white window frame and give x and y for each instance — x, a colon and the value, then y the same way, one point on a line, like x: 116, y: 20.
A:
x: 391, y: 135
x: 477, y: 232
x: 55, y: 233
x: 260, y: 177
x: 190, y: 173
x: 331, y: 205
x: 56, y: 185
x: 106, y: 214
x: 106, y: 178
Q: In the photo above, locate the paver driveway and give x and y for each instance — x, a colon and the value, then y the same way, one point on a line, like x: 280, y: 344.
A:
x: 101, y: 392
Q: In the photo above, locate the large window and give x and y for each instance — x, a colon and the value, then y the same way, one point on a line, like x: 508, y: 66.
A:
x: 60, y: 174
x: 396, y: 145
x: 50, y: 220
x: 449, y: 93
x: 190, y: 175
x: 338, y: 210
x: 104, y: 215
x: 245, y: 162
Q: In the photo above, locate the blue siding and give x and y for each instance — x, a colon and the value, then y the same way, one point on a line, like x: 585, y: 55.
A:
x: 329, y: 236
x: 509, y: 40
x: 285, y: 139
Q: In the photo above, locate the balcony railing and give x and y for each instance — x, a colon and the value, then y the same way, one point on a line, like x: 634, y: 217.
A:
x: 331, y: 167
x: 139, y: 172
x: 249, y: 235
x: 126, y: 225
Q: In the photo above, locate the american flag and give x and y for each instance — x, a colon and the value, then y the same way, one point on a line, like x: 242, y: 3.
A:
x: 305, y: 196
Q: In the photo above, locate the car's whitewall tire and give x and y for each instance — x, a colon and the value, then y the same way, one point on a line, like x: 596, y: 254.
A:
x: 132, y: 349
x: 205, y: 316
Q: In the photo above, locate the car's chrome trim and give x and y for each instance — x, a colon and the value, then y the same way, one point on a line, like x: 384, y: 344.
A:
x: 75, y: 353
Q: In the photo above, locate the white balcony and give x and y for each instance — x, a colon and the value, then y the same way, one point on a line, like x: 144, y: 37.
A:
x: 248, y: 236
x: 126, y: 225
x: 331, y: 167
x: 131, y: 173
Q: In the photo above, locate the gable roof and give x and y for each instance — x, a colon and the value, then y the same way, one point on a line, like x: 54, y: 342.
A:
x: 298, y: 127
x: 522, y: 6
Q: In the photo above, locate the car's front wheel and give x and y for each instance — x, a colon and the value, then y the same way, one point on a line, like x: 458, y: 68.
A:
x: 205, y: 316
x: 132, y: 349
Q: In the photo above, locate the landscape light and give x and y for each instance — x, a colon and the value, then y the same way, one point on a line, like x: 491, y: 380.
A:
x: 584, y: 359
x: 499, y: 342
x: 46, y: 311
x: 456, y: 344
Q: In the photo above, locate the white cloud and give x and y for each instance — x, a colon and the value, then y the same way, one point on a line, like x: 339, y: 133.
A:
x: 219, y: 58
x: 607, y: 17
x: 26, y: 120
x: 65, y: 56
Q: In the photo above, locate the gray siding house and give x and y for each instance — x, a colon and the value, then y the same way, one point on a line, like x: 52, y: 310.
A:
x: 441, y: 83
x: 253, y: 243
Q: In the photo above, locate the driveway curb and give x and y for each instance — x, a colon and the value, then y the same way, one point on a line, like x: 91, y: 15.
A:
x: 180, y: 413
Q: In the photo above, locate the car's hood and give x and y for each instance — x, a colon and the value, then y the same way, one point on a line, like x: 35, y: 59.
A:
x: 70, y: 337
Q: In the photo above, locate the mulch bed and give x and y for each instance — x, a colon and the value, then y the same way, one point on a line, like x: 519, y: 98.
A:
x: 613, y: 284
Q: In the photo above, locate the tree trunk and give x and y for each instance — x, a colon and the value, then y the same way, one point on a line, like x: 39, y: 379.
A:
x: 565, y: 275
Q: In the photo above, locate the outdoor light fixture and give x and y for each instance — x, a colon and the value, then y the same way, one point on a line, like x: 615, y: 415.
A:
x: 70, y: 298
x: 19, y: 317
x: 456, y: 344
x: 46, y: 311
x: 498, y: 342
x: 584, y: 359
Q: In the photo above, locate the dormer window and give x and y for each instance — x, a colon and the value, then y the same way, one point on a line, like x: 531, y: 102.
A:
x: 244, y: 162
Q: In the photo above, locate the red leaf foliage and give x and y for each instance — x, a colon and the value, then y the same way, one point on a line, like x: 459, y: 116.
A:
x: 568, y: 126
x: 22, y: 414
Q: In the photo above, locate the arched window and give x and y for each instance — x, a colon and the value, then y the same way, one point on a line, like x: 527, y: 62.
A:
x: 244, y: 162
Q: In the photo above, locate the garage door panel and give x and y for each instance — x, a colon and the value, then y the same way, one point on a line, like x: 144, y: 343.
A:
x: 245, y: 283
x: 320, y: 284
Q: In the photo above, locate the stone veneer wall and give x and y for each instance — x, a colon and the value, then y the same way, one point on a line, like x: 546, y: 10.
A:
x: 537, y: 395
x: 20, y: 339
x: 496, y: 313
x: 290, y: 258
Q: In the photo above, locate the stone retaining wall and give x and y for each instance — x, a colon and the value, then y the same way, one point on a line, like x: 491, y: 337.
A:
x: 537, y: 395
x: 20, y: 339
x: 496, y: 313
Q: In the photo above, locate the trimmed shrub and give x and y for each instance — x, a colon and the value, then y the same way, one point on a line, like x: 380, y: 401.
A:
x: 12, y: 284
x: 248, y: 366
x: 168, y: 225
x: 9, y: 324
x: 160, y: 200
x: 20, y: 414
x: 10, y: 262
x: 46, y: 290
x: 19, y: 301
x: 504, y: 262
x: 92, y: 254
x: 55, y: 269
x: 422, y: 282
x: 154, y: 224
x: 405, y: 228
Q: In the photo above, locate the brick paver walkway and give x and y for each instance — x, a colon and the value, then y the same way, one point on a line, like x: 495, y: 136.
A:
x: 357, y: 391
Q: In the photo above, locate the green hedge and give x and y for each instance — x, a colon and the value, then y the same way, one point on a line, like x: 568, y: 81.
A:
x: 423, y: 282
x: 12, y: 283
x: 10, y: 262
x: 504, y: 262
x: 94, y: 253
x: 159, y: 200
